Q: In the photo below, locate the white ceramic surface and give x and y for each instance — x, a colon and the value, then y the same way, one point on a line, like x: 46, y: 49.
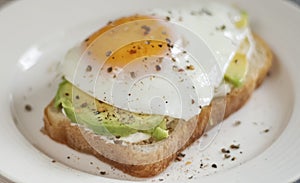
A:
x: 34, y: 36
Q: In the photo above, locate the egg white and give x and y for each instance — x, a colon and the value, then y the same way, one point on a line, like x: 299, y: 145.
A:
x: 205, y: 39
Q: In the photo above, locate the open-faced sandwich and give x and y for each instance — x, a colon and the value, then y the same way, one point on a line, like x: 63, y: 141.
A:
x: 144, y: 87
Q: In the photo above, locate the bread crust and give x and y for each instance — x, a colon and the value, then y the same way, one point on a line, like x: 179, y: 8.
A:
x: 59, y: 128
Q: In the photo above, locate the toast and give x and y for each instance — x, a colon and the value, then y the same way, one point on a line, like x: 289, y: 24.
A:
x: 151, y: 159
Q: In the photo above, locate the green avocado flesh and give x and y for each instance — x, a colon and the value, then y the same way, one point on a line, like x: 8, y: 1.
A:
x: 237, y: 70
x: 104, y: 119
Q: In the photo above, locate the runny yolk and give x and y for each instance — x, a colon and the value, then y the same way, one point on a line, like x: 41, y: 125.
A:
x: 129, y: 38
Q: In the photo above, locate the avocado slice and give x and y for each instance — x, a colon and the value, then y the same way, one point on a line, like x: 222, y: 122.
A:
x: 237, y: 70
x: 104, y: 119
x: 243, y: 21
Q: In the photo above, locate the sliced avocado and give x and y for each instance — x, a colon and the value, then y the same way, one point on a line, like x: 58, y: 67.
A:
x: 243, y: 21
x: 105, y: 119
x: 160, y: 132
x: 237, y: 70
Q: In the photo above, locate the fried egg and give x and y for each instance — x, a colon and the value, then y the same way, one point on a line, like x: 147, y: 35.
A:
x: 165, y: 62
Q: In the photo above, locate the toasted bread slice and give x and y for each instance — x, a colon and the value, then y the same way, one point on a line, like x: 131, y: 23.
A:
x: 151, y: 159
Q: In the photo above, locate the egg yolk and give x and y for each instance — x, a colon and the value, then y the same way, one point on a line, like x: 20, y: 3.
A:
x: 126, y: 39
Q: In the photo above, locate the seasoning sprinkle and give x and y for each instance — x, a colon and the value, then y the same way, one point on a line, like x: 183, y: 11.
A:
x: 132, y: 75
x: 88, y: 68
x: 108, y: 53
x: 190, y: 67
x: 168, y: 18
x: 158, y: 68
x: 214, y: 165
x: 102, y: 172
x: 205, y: 11
x: 109, y: 69
x: 237, y: 123
x: 83, y: 105
x: 226, y: 156
x: 226, y: 151
x: 28, y: 108
x: 233, y: 146
x: 132, y: 52
x: 146, y: 29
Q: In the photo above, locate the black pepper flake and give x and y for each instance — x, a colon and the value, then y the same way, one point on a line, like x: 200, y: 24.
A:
x: 236, y: 61
x: 157, y: 68
x: 109, y: 69
x: 132, y: 75
x: 200, y: 106
x: 190, y: 177
x: 226, y: 156
x: 132, y: 52
x: 168, y: 18
x: 53, y: 161
x: 88, y: 68
x: 214, y: 165
x: 181, y: 155
x: 118, y: 136
x: 147, y: 42
x: 193, y: 101
x: 160, y: 45
x: 226, y: 151
x: 207, y: 12
x: 77, y: 97
x: 221, y: 28
x: 67, y: 94
x: 233, y: 158
x: 146, y: 29
x: 161, y: 179
x: 68, y: 157
x: 201, y: 165
x: 83, y: 105
x: 266, y: 130
x: 237, y: 123
x: 28, y: 108
x: 178, y: 159
x: 102, y: 172
x: 170, y: 45
x: 91, y: 163
x: 168, y: 40
x: 129, y: 94
x: 180, y: 70
x: 173, y: 59
x: 234, y: 146
x: 109, y: 22
x: 108, y: 53
x: 86, y: 40
x: 190, y: 67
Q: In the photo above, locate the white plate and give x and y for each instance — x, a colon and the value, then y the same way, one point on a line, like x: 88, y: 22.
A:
x: 33, y: 37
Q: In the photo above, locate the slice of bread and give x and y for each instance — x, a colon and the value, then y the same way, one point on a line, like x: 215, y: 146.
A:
x: 151, y: 159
